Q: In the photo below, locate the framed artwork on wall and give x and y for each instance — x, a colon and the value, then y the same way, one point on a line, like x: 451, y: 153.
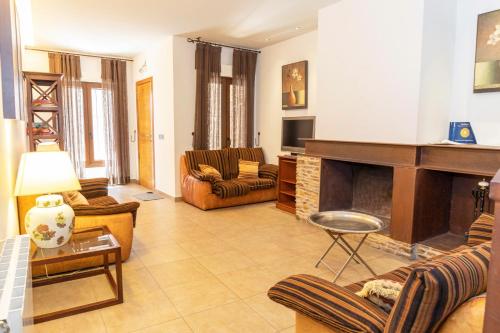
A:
x: 294, y: 86
x: 487, y: 67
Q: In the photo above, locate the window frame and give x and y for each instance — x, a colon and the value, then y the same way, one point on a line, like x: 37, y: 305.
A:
x: 90, y: 161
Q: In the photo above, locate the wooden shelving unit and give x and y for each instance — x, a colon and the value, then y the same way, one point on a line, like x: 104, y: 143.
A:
x: 287, y: 180
x: 44, y: 107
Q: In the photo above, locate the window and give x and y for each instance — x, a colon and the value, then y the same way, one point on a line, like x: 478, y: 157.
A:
x: 94, y: 124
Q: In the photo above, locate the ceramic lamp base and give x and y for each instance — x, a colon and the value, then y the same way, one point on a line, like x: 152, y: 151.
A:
x: 50, y: 223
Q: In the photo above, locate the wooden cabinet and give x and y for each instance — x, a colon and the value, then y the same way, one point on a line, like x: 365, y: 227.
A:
x: 287, y: 180
x: 44, y: 108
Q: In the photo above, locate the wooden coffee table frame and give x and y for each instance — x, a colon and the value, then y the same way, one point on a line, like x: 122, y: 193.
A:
x: 116, y: 285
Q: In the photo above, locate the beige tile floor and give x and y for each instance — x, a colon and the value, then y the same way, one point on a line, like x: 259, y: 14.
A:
x: 196, y: 271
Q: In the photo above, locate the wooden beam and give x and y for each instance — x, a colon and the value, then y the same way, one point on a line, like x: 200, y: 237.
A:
x: 492, y: 315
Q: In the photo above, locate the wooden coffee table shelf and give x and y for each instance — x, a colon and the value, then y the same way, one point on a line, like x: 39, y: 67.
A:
x: 85, y: 243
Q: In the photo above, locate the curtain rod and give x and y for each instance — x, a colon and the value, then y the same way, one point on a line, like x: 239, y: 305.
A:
x: 198, y: 40
x: 77, y: 53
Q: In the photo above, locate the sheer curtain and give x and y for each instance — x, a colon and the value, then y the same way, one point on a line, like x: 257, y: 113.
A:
x: 114, y: 88
x: 73, y: 119
x: 242, y: 114
x: 207, y: 123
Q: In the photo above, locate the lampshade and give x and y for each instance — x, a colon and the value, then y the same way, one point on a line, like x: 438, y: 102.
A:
x: 46, y: 172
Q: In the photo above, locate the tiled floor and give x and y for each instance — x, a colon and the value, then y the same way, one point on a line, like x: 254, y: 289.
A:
x: 196, y: 271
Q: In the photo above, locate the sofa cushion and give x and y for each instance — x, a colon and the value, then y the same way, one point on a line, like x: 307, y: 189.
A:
x: 252, y: 154
x: 258, y: 183
x: 328, y: 303
x: 248, y: 169
x: 437, y: 287
x: 210, y: 171
x: 215, y: 158
x: 268, y: 171
x: 230, y: 188
x: 481, y: 230
x: 75, y: 198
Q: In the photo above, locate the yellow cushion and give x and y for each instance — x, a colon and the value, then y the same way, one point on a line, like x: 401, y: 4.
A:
x: 468, y: 317
x: 248, y: 169
x: 75, y: 198
x: 210, y: 170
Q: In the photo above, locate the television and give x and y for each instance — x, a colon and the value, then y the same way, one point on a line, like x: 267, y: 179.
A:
x: 294, y: 133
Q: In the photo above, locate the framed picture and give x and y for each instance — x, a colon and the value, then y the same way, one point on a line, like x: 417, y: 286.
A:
x: 487, y: 67
x: 294, y: 86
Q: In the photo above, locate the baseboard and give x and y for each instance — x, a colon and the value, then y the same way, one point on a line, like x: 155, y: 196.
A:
x: 168, y: 196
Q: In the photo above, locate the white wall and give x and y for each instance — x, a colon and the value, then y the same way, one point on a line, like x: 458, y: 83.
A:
x: 268, y: 88
x: 159, y: 66
x: 12, y: 145
x: 38, y: 61
x: 438, y: 47
x: 480, y: 109
x: 185, y: 98
x: 369, y: 57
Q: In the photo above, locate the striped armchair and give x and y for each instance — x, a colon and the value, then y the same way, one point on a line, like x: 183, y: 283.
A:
x: 432, y: 290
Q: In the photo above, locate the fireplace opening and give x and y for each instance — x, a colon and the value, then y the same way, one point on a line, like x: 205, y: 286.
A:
x: 358, y: 187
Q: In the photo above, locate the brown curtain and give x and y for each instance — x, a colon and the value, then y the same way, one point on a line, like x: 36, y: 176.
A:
x: 242, y: 115
x: 114, y: 85
x: 73, y: 119
x: 207, y: 128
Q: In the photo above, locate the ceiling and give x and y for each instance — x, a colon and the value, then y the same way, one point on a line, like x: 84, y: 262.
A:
x: 127, y: 27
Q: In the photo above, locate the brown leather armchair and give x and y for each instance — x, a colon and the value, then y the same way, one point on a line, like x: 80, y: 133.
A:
x: 102, y: 210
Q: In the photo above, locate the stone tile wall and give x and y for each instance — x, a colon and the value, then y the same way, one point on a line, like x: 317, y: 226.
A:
x: 307, y: 188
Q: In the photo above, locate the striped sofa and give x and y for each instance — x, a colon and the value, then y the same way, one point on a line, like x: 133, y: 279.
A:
x: 432, y: 290
x: 206, y: 192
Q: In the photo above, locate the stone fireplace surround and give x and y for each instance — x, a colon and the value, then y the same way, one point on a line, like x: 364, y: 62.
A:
x: 430, y: 187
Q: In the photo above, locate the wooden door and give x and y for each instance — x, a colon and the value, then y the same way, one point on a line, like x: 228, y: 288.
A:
x: 145, y: 133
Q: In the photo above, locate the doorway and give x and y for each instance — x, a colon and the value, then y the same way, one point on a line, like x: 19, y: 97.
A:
x: 145, y: 132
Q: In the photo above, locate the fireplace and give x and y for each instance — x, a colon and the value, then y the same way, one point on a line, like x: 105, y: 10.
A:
x: 423, y: 192
x: 359, y: 187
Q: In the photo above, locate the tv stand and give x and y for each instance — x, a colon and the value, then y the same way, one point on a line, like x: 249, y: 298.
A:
x: 287, y: 179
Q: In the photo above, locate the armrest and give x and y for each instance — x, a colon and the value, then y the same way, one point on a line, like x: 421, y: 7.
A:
x: 481, y: 230
x: 128, y: 207
x: 328, y: 303
x: 94, y: 187
x: 202, y: 176
x: 268, y: 171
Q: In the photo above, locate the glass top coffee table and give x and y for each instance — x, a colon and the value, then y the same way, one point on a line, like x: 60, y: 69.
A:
x: 338, y: 223
x: 84, y: 243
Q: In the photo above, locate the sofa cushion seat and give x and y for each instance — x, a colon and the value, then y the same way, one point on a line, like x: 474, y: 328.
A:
x: 103, y: 201
x: 230, y: 188
x: 258, y: 183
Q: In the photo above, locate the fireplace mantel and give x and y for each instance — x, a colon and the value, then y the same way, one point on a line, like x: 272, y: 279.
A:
x: 432, y: 184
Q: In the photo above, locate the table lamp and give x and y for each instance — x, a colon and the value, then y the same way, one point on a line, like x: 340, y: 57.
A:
x: 50, y: 222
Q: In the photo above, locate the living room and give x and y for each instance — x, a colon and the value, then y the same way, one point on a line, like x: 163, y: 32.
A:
x: 212, y: 153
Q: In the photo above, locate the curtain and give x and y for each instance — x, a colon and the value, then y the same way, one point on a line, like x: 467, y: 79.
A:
x: 207, y: 122
x: 114, y: 88
x: 242, y: 116
x: 73, y: 119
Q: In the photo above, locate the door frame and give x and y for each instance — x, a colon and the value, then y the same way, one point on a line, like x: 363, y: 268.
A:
x: 150, y: 80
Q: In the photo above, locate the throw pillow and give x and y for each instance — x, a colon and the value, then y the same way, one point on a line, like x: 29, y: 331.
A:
x: 436, y: 288
x: 383, y: 293
x: 75, y: 198
x: 248, y: 169
x: 211, y: 171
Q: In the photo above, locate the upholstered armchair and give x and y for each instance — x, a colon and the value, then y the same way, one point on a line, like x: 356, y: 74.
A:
x: 102, y: 209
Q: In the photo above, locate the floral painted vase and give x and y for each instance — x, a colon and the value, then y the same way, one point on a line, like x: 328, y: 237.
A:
x: 50, y: 223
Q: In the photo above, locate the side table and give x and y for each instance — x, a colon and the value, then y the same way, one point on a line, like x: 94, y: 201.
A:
x: 84, y: 243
